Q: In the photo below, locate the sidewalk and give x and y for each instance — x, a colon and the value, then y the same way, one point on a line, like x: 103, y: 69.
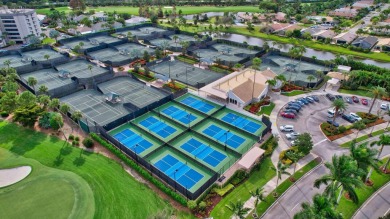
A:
x: 361, y: 133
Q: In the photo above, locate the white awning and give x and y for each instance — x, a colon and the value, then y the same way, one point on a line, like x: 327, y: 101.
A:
x: 249, y: 159
x: 333, y: 81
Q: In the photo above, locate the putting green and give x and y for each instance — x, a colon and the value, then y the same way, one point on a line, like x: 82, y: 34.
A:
x: 45, y: 193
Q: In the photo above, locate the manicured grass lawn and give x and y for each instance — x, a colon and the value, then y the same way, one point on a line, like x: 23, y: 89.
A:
x: 48, y: 40
x: 45, y: 193
x: 220, y: 70
x: 258, y: 178
x: 187, y: 60
x: 266, y: 109
x: 185, y: 9
x: 362, y: 138
x: 348, y: 208
x: 363, y: 93
x: 293, y: 93
x: 116, y: 193
x: 263, y: 206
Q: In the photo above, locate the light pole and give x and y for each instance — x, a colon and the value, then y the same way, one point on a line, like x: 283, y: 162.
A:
x: 174, y: 176
x: 189, y: 120
x: 135, y: 150
x: 226, y: 133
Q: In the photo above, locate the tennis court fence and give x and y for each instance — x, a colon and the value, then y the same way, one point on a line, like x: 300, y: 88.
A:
x: 164, y: 116
x: 156, y: 172
x: 232, y: 127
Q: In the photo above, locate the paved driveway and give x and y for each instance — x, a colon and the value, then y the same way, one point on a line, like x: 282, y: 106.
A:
x: 377, y: 206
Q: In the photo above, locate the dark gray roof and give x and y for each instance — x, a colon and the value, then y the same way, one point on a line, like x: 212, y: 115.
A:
x: 371, y: 40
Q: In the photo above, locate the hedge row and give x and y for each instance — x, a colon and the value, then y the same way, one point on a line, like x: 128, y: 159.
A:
x: 140, y: 170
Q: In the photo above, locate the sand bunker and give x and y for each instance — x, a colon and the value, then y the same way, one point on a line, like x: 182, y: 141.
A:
x: 13, y: 175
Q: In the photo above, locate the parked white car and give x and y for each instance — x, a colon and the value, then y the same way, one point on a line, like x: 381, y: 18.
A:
x: 385, y: 106
x: 292, y: 135
x: 354, y: 115
x: 287, y: 128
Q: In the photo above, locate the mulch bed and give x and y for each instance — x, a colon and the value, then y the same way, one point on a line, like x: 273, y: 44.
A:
x: 290, y: 87
x: 377, y: 122
x: 212, y: 201
x: 334, y: 137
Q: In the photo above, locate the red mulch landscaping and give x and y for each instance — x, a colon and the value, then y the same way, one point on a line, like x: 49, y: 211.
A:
x: 212, y: 200
x: 369, y: 182
x: 377, y: 122
x: 291, y: 87
x: 334, y: 137
x: 255, y: 107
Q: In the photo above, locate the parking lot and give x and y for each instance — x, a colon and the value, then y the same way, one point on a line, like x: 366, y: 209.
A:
x: 312, y: 115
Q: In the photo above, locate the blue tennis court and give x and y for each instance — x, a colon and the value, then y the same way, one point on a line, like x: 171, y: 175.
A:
x: 241, y: 122
x: 203, y: 152
x: 224, y: 136
x: 133, y: 141
x: 179, y: 114
x: 158, y: 127
x: 197, y: 104
x: 178, y: 171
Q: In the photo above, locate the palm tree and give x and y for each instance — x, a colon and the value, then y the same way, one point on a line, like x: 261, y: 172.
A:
x: 294, y: 157
x: 47, y: 57
x: 384, y: 140
x: 32, y: 82
x: 7, y: 63
x: 256, y: 62
x: 281, y: 78
x: 281, y: 170
x: 359, y: 125
x: 76, y: 115
x: 319, y: 74
x: 238, y: 209
x: 259, y: 195
x: 321, y: 208
x: 338, y: 105
x: 43, y: 89
x: 376, y: 92
x: 271, y: 82
x: 175, y: 38
x: 365, y: 158
x: 344, y: 175
x: 54, y: 103
x: 310, y: 78
x: 43, y: 99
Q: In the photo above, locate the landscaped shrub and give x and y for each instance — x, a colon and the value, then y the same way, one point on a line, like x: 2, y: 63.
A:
x: 225, y: 190
x: 4, y: 114
x: 238, y: 177
x: 77, y: 138
x: 88, y: 142
x: 140, y: 170
x: 269, y: 146
x: 192, y: 205
x: 74, y: 143
x: 71, y: 137
x: 342, y: 129
x: 44, y: 121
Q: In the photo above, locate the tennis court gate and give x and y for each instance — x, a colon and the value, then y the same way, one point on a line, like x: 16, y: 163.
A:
x: 156, y: 172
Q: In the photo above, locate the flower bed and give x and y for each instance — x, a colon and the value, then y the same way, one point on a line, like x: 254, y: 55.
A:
x: 290, y: 87
x: 255, y: 107
x: 174, y: 86
x: 141, y: 75
x: 333, y: 133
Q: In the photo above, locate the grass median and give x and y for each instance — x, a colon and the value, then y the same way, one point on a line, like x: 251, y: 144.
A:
x: 363, y: 138
x: 348, y: 208
x: 263, y: 206
x: 266, y: 109
x: 293, y: 93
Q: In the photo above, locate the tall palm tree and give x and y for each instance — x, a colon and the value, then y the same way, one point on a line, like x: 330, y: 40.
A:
x: 310, y: 78
x: 281, y: 170
x: 281, y: 78
x: 32, y: 82
x: 43, y: 89
x: 175, y: 38
x: 258, y: 194
x: 238, y: 209
x: 326, y: 79
x: 44, y: 100
x: 294, y: 157
x: 344, y: 175
x: 256, y: 62
x: 365, y: 158
x: 321, y: 208
x: 319, y: 75
x: 54, y: 103
x: 359, y: 125
x: 76, y: 115
x: 377, y: 92
x: 384, y: 140
x: 338, y: 105
x: 271, y: 82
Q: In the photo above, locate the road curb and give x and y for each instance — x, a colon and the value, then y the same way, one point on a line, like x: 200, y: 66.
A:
x: 276, y: 201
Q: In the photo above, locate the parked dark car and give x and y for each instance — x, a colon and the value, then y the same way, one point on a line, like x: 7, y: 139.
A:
x: 293, y: 107
x: 295, y: 104
x: 303, y: 100
x: 349, y: 118
x: 348, y: 100
x: 330, y: 97
x: 315, y: 98
x: 335, y: 124
x: 291, y: 111
x: 288, y: 115
x: 338, y: 97
x: 355, y: 99
x: 311, y: 100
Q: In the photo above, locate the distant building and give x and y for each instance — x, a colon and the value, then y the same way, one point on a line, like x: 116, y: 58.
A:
x: 135, y: 20
x: 344, y: 38
x: 18, y: 24
x: 324, y: 34
x: 347, y: 12
x: 363, y: 4
x: 365, y: 42
x: 280, y: 16
x: 282, y: 28
x: 383, y: 45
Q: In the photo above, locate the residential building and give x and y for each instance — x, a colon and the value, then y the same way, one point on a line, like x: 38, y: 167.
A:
x: 383, y: 45
x: 18, y: 24
x: 324, y: 34
x: 344, y: 38
x: 363, y: 4
x: 280, y: 16
x: 365, y: 42
x: 281, y: 28
x: 134, y: 20
x: 322, y: 19
x: 240, y: 88
x: 347, y: 12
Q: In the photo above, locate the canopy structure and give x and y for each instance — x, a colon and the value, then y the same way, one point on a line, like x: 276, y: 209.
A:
x: 113, y: 97
x: 250, y: 158
x: 333, y: 81
x: 208, y: 61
